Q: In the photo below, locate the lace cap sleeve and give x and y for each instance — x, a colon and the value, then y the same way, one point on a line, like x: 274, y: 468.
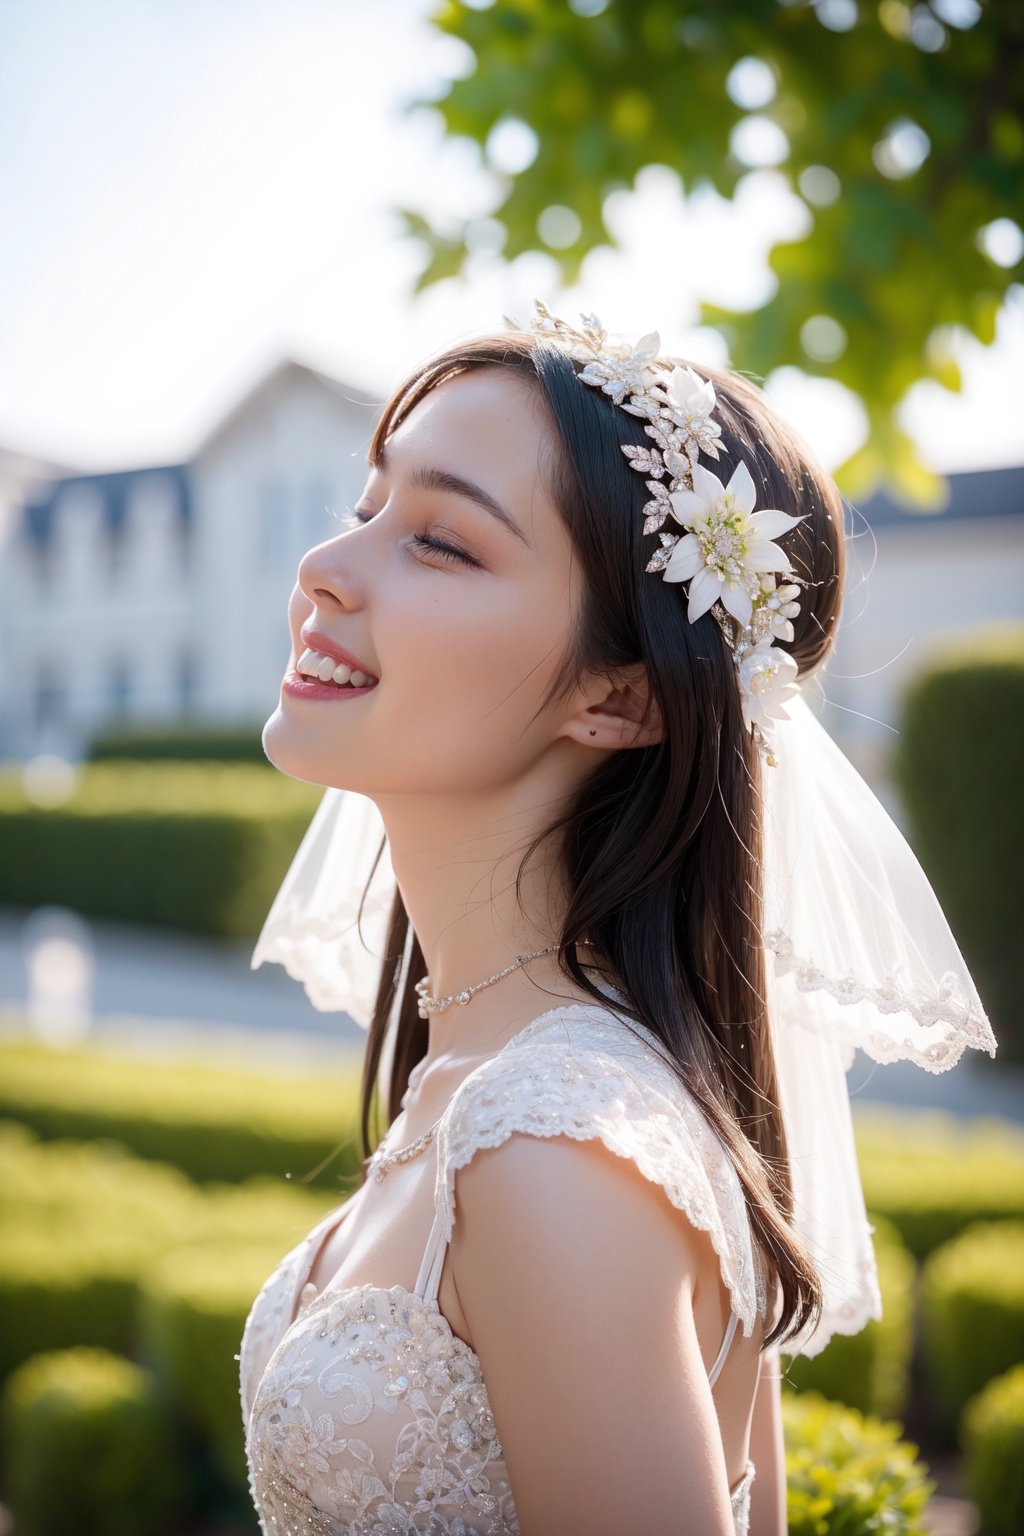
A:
x: 588, y: 1075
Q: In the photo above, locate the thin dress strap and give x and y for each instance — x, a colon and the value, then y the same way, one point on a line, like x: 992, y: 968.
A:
x: 713, y: 1374
x: 428, y: 1281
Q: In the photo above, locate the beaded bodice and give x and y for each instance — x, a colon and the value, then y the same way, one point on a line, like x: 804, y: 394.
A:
x: 364, y: 1413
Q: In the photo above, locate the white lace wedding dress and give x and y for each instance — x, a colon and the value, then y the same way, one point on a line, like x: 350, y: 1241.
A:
x: 364, y: 1414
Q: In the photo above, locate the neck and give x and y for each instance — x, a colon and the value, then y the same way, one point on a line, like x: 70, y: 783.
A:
x: 456, y: 862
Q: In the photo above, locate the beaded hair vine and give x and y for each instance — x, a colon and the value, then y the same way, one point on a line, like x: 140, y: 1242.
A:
x: 726, y: 553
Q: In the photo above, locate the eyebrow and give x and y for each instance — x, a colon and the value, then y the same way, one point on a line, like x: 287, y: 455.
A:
x: 426, y: 478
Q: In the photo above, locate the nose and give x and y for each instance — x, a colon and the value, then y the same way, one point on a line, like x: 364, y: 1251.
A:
x: 326, y: 576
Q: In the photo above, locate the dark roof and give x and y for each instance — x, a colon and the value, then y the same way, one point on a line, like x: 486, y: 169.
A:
x: 40, y: 509
x: 114, y: 488
x: 973, y: 493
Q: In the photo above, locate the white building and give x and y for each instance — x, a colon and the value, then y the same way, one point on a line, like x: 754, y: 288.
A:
x: 157, y: 593
x: 154, y: 594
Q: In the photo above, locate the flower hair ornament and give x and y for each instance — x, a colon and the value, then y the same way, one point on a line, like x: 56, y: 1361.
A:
x: 859, y: 955
x: 726, y: 553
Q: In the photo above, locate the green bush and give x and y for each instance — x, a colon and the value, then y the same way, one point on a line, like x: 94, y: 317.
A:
x: 932, y: 1174
x: 222, y: 1123
x: 201, y: 847
x: 100, y: 1248
x: 959, y: 765
x: 972, y: 1313
x: 992, y: 1434
x: 185, y: 742
x: 848, y: 1474
x: 194, y: 1304
x: 92, y: 1451
x: 869, y: 1370
x: 77, y: 1287
x: 77, y: 1225
x: 81, y: 1227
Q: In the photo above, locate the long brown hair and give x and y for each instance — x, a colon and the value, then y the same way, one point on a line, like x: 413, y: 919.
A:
x: 661, y: 845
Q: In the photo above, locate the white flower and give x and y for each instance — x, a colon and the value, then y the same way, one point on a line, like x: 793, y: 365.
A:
x: 689, y: 394
x: 767, y: 679
x: 729, y: 545
x: 690, y: 401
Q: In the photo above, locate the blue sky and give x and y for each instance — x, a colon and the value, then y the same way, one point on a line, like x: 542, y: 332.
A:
x: 190, y: 189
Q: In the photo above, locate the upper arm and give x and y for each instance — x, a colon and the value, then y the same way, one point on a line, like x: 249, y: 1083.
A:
x: 576, y: 1277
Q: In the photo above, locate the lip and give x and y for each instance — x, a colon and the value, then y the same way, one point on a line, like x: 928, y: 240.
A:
x: 305, y: 688
x: 315, y: 640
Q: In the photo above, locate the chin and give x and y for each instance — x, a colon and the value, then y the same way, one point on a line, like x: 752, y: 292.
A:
x: 281, y: 753
x: 286, y: 753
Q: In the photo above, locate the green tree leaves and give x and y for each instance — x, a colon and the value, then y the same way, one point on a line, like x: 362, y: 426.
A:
x: 901, y: 127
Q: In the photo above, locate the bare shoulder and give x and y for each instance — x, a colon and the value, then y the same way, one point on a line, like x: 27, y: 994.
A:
x: 574, y: 1194
x: 576, y: 1276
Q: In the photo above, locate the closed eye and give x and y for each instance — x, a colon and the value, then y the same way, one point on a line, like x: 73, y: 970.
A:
x: 432, y: 546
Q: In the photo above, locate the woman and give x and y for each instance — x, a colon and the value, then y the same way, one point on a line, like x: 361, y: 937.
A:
x: 557, y: 680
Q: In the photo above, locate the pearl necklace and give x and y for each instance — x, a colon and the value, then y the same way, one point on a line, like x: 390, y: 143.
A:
x: 381, y: 1160
x: 428, y: 1004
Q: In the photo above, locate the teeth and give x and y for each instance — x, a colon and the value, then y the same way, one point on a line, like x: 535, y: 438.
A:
x: 326, y: 670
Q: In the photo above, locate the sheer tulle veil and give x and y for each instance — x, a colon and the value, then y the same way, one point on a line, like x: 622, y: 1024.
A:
x: 859, y: 955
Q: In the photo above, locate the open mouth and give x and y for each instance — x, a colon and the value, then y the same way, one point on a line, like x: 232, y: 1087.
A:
x: 324, y: 669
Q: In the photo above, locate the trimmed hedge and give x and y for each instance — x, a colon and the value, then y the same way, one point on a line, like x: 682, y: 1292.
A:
x: 100, y: 1248
x: 82, y: 1226
x: 189, y: 741
x: 869, y: 1370
x: 77, y: 1224
x: 91, y: 1448
x: 193, y: 1307
x: 932, y: 1174
x: 992, y: 1434
x: 847, y: 1473
x: 973, y: 1313
x: 201, y: 847
x: 211, y: 1122
x: 959, y: 765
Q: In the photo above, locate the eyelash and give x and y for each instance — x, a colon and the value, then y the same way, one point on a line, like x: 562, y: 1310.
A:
x: 433, y: 546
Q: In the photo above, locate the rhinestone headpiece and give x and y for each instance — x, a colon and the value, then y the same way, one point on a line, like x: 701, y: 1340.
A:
x: 726, y: 554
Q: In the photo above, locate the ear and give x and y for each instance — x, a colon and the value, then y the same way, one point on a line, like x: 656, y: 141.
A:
x: 609, y: 714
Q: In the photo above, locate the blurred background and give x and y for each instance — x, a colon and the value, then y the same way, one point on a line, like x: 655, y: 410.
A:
x: 230, y: 227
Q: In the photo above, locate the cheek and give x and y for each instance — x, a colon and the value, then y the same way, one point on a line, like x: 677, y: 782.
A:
x: 471, y: 663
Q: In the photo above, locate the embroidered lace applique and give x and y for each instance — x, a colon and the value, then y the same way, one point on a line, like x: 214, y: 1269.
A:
x: 315, y: 1456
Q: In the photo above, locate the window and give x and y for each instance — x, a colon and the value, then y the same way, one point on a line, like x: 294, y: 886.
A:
x: 186, y: 682
x: 49, y: 694
x: 118, y: 687
x: 42, y: 567
x: 273, y: 531
x: 115, y: 555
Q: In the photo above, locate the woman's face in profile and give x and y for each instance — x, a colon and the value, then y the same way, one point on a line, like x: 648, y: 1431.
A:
x: 455, y: 589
